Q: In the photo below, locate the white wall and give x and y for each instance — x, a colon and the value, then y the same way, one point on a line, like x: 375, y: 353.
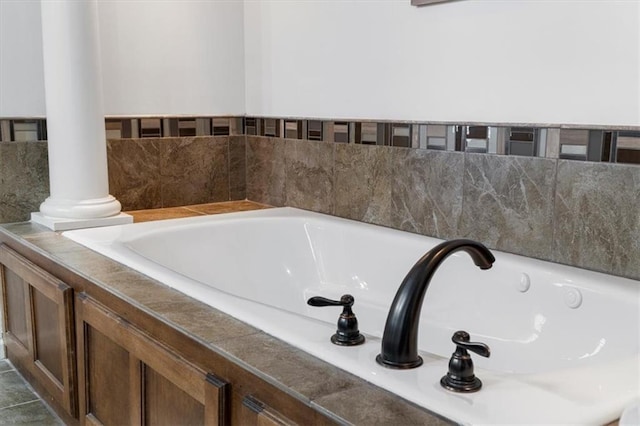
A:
x: 573, y: 61
x: 172, y: 57
x: 158, y: 57
x: 21, y: 78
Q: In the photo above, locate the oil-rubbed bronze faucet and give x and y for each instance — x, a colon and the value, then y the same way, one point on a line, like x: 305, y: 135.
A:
x: 400, y: 338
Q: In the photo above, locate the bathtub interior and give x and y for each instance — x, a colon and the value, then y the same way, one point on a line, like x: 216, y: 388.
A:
x: 282, y: 261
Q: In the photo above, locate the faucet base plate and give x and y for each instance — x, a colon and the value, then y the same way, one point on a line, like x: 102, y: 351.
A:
x: 337, y: 339
x: 399, y: 365
x: 461, y: 385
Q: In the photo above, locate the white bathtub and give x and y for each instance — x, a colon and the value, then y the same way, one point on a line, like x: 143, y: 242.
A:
x: 551, y: 361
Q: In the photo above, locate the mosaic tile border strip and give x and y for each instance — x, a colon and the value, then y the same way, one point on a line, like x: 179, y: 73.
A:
x: 570, y: 143
x: 597, y: 144
x: 29, y: 130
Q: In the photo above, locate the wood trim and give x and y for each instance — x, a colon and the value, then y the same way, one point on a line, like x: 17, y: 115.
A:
x: 136, y: 381
x: 260, y: 414
x: 83, y: 390
x: 136, y: 374
x: 269, y: 417
x: 31, y: 272
x: 91, y: 420
x: 216, y: 394
x: 3, y: 291
x: 15, y: 346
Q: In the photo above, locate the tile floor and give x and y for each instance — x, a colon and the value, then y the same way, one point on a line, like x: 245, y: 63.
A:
x: 19, y: 404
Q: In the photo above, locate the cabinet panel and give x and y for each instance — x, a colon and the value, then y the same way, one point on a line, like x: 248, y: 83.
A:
x: 47, y: 334
x: 167, y: 405
x: 15, y: 307
x: 40, y: 338
x: 107, y: 382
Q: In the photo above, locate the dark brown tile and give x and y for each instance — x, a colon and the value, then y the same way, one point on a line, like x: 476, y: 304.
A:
x: 137, y: 287
x: 237, y: 168
x: 292, y: 368
x: 266, y: 170
x: 25, y: 229
x: 597, y: 225
x: 194, y: 170
x: 162, y: 214
x: 134, y: 172
x: 24, y: 174
x: 5, y: 366
x: 363, y: 183
x: 376, y: 407
x: 199, y: 319
x: 31, y: 413
x: 427, y: 191
x: 309, y: 175
x: 90, y: 263
x: 54, y: 243
x: 508, y: 203
x: 13, y: 390
x: 227, y: 207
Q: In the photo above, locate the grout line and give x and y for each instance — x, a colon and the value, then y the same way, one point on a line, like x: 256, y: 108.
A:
x: 28, y: 386
x: 22, y: 403
x: 196, y: 211
x: 554, y: 216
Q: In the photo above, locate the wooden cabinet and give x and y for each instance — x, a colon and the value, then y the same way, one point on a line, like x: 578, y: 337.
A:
x: 131, y: 378
x: 39, y: 330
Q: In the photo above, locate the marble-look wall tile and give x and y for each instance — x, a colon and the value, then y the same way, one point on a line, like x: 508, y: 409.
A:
x: 597, y: 217
x: 427, y: 191
x: 134, y: 172
x: 266, y: 170
x: 309, y: 175
x: 194, y: 170
x: 363, y: 183
x: 237, y: 168
x: 508, y: 203
x: 24, y: 179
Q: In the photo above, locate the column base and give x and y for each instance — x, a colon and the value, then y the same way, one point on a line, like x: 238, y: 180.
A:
x: 80, y: 209
x: 64, y: 224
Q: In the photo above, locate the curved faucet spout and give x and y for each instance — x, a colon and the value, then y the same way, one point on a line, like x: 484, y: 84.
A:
x: 400, y: 339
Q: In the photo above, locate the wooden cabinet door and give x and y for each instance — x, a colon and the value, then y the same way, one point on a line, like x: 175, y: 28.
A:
x: 130, y: 378
x: 39, y: 326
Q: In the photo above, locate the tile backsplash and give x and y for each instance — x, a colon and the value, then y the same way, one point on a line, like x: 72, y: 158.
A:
x: 149, y: 173
x: 515, y: 188
x: 24, y: 179
x: 577, y: 213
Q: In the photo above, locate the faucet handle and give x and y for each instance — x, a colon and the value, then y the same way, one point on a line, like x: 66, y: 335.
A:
x: 461, y: 339
x: 347, y: 333
x: 346, y: 300
x: 460, y: 377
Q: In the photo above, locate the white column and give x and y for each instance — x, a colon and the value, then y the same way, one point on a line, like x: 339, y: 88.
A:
x: 75, y: 120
